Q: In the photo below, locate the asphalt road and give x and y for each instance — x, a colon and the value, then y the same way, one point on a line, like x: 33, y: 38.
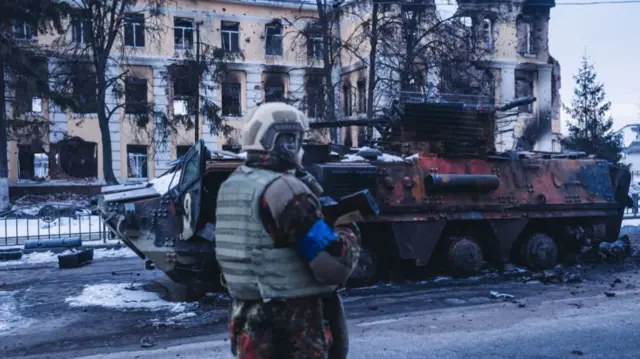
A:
x: 104, y: 310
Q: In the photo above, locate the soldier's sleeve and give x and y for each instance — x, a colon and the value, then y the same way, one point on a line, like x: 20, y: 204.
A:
x: 297, y: 222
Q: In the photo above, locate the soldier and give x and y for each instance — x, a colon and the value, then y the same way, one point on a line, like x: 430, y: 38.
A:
x: 280, y: 261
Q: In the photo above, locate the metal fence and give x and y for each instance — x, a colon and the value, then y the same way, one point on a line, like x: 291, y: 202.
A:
x: 16, y: 231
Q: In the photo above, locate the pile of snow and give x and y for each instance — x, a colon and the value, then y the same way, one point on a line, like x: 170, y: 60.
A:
x: 123, y: 296
x: 384, y: 157
x: 166, y: 182
x: 10, y: 319
x: 352, y: 158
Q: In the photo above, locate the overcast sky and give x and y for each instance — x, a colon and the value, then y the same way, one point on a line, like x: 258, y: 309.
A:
x: 611, y: 35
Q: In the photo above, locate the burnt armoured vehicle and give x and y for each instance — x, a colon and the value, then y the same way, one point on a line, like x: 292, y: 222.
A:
x: 448, y: 200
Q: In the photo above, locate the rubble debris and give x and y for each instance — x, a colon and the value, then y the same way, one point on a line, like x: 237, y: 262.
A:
x: 146, y: 342
x: 75, y: 259
x: 10, y: 254
x: 610, y: 294
x: 577, y: 352
x: 617, y: 251
x: 498, y: 295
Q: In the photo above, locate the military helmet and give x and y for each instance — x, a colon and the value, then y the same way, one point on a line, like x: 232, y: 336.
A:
x: 264, y: 123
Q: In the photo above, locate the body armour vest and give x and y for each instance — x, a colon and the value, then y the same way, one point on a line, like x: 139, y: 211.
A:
x: 252, y: 268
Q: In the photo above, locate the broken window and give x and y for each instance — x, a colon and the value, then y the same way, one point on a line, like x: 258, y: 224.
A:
x: 32, y: 164
x: 315, y: 96
x: 135, y: 95
x: 273, y: 45
x: 137, y: 161
x: 183, y: 33
x: 314, y: 42
x: 362, y: 96
x: 29, y: 90
x: 347, y: 100
x: 78, y: 158
x: 134, y: 30
x: 22, y: 30
x: 466, y: 21
x: 85, y: 90
x: 182, y: 150
x: 231, y: 99
x: 487, y: 29
x: 230, y: 36
x: 81, y: 30
x: 185, y: 89
x: 526, y: 38
x: 274, y: 89
x: 524, y: 88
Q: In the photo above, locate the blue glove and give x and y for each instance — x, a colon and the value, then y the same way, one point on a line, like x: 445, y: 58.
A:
x: 319, y: 236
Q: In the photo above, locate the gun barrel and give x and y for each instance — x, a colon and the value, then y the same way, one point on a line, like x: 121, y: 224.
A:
x: 517, y: 102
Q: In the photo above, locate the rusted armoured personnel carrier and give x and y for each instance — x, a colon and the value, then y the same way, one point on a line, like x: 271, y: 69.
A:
x: 447, y: 200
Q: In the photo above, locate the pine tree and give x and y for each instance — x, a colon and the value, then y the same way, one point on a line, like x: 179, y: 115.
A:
x: 590, y: 130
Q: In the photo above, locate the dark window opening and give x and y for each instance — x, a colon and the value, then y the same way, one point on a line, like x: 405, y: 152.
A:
x: 77, y: 158
x: 134, y: 30
x: 273, y: 45
x: 274, y: 89
x: 137, y: 158
x: 230, y: 36
x: 82, y: 32
x: 185, y: 89
x: 524, y: 88
x: 135, y: 95
x: 315, y: 97
x: 183, y: 33
x: 347, y: 100
x: 31, y: 164
x: 487, y: 27
x: 526, y: 36
x: 181, y: 150
x: 314, y: 43
x: 231, y: 99
x: 22, y: 30
x: 30, y: 90
x: 362, y: 96
x: 85, y: 90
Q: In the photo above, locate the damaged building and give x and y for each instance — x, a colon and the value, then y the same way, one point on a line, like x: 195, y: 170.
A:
x: 282, y: 49
x: 512, y: 58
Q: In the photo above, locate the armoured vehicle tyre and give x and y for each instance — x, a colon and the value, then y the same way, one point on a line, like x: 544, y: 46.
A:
x: 539, y: 251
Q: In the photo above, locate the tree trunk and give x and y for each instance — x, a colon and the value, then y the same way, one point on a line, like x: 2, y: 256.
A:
x: 105, y: 134
x: 327, y: 68
x: 373, y: 41
x: 4, y: 168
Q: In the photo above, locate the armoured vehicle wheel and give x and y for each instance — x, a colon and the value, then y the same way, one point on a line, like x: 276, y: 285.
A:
x: 539, y: 251
x: 465, y: 256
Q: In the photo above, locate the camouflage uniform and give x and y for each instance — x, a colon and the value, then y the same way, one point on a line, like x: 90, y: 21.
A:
x: 288, y: 328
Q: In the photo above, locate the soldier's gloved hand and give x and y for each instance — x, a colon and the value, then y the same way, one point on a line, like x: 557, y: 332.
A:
x: 319, y: 236
x: 311, y: 182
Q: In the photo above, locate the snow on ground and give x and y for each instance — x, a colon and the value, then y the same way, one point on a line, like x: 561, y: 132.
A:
x: 124, y: 296
x: 164, y: 183
x: 176, y: 319
x: 50, y: 257
x: 10, y: 319
x: 631, y: 222
x: 25, y: 227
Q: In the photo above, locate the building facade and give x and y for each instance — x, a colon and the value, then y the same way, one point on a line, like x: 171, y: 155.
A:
x: 278, y: 63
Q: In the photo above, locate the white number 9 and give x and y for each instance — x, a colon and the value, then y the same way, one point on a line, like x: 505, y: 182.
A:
x: 186, y: 218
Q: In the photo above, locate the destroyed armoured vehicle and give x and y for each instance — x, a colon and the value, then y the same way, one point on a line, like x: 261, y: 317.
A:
x: 446, y: 199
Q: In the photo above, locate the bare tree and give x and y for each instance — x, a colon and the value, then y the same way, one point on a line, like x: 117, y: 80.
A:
x: 415, y: 50
x: 87, y: 60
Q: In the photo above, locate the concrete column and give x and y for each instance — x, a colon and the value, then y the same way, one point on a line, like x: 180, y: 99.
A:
x: 254, y: 87
x: 507, y: 94
x: 162, y: 155
x: 544, y: 99
x: 114, y: 122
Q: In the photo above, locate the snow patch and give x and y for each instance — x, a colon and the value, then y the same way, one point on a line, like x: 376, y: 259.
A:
x: 166, y: 182
x: 10, y: 319
x: 631, y: 222
x: 176, y: 319
x: 390, y: 158
x: 353, y: 158
x: 123, y: 296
